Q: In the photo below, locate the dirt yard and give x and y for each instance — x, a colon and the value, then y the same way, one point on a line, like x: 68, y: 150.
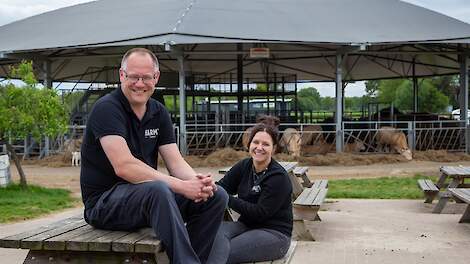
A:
x: 57, y: 172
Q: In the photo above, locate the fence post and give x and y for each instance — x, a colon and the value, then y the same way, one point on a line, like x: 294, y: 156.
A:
x: 412, y: 135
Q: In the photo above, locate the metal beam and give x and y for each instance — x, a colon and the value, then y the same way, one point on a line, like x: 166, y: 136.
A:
x: 339, y: 102
x: 240, y: 79
x: 463, y: 58
x: 182, y: 88
x: 46, y: 74
x: 415, y: 88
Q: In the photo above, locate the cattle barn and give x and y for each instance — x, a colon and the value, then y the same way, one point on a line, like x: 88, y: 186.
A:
x: 224, y: 50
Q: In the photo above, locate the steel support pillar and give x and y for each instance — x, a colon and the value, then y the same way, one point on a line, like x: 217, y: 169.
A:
x: 415, y: 88
x: 463, y: 100
x: 240, y: 82
x: 182, y: 83
x: 339, y: 103
x: 47, y: 77
x: 48, y: 84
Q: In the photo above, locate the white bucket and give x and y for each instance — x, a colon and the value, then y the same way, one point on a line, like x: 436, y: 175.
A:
x: 5, y: 176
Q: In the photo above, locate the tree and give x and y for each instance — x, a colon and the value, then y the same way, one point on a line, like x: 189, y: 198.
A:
x: 372, y: 87
x: 449, y: 85
x: 28, y: 110
x: 309, y: 99
x: 400, y: 93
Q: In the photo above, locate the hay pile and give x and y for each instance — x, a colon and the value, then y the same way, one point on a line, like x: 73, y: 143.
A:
x: 441, y: 156
x: 53, y: 161
x: 228, y: 156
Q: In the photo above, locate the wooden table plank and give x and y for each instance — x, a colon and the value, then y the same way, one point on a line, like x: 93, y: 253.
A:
x: 59, y: 242
x: 80, y: 243
x: 148, y: 244
x: 103, y: 243
x: 13, y: 241
x: 462, y: 194
x: 126, y: 243
x: 36, y: 242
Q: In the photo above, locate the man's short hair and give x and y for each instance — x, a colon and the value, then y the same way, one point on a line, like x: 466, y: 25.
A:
x: 141, y: 51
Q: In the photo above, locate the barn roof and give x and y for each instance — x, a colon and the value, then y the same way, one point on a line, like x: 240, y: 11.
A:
x: 297, y: 31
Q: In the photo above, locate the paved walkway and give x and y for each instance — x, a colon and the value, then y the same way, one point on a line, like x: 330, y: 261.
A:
x: 355, y: 231
x: 386, y: 231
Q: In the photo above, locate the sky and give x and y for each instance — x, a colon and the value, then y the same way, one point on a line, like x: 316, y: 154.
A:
x: 12, y: 10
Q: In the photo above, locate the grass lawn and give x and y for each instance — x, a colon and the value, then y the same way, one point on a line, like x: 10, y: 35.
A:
x: 379, y: 188
x: 18, y: 204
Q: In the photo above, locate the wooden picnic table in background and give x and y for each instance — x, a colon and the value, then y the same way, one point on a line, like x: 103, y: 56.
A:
x: 457, y: 176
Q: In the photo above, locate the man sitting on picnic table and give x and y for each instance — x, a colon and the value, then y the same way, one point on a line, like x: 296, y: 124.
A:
x: 263, y: 231
x: 121, y: 187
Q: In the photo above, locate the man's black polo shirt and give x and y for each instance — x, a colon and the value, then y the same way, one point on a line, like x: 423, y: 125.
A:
x: 112, y: 115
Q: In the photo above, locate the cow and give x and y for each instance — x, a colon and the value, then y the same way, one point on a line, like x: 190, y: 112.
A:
x: 312, y: 135
x: 323, y: 148
x: 395, y: 140
x: 290, y: 141
x: 356, y: 146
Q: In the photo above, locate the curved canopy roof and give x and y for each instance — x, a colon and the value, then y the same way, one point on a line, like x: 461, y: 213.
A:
x: 303, y: 37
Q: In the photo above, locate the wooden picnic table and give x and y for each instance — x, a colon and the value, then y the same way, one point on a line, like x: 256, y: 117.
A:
x: 462, y: 194
x: 72, y: 240
x: 289, y: 167
x: 457, y: 176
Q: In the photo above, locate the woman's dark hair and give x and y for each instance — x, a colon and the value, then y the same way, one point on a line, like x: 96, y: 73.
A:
x: 272, y: 131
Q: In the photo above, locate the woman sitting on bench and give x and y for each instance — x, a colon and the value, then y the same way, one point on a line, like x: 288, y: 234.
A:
x: 263, y: 231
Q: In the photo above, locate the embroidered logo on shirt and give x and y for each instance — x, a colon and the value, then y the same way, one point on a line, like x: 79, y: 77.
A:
x: 151, y: 133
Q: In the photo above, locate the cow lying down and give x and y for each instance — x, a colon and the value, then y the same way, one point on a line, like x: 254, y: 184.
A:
x: 324, y: 148
x: 391, y: 139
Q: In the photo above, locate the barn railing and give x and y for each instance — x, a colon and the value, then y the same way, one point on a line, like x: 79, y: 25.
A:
x: 315, y: 138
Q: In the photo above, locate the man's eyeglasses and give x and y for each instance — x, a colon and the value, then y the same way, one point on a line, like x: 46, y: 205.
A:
x: 147, y: 79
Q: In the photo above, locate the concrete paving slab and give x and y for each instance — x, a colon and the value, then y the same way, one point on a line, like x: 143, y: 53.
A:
x: 386, y: 231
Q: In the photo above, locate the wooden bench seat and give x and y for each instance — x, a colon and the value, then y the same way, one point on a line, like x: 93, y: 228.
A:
x: 73, y: 239
x: 462, y: 194
x: 320, y: 184
x: 301, y: 172
x: 306, y: 208
x: 429, y: 188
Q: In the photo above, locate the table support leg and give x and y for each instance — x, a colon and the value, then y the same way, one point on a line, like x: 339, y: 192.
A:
x: 466, y: 215
x: 445, y: 196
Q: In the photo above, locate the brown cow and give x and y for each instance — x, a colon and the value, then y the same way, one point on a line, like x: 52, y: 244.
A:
x: 312, y: 135
x: 395, y: 140
x: 290, y: 140
x: 323, y: 148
